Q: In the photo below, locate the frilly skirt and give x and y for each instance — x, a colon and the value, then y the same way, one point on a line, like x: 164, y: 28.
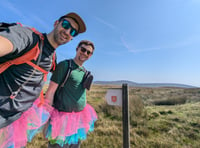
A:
x: 70, y: 127
x: 21, y: 131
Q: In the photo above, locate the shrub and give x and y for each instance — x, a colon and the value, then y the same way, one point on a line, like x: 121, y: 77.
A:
x: 171, y: 101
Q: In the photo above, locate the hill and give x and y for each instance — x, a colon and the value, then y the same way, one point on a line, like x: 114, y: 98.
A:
x: 134, y: 84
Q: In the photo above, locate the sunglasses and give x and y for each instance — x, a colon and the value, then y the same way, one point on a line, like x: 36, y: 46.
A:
x: 66, y: 25
x: 85, y: 50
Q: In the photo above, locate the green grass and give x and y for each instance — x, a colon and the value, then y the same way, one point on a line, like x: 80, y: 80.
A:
x: 151, y: 126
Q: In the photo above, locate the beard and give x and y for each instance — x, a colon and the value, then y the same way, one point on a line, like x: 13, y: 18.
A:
x: 60, y: 37
x: 82, y: 59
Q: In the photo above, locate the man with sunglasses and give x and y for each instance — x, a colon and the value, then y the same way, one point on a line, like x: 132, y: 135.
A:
x: 72, y: 118
x: 22, y: 81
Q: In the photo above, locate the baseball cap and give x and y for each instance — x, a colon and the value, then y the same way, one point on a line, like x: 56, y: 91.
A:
x: 77, y: 19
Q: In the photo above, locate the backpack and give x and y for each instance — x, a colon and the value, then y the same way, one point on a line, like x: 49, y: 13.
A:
x: 33, y: 54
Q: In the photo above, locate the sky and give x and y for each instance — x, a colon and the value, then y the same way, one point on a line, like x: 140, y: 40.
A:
x: 144, y: 41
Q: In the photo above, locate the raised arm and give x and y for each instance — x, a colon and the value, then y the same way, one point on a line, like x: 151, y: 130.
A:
x: 6, y: 46
x: 51, y: 91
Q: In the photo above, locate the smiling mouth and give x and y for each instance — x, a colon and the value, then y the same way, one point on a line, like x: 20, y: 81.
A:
x: 83, y: 57
x: 64, y: 36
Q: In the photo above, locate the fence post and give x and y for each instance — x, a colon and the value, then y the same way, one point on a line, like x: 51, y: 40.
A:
x: 125, y: 116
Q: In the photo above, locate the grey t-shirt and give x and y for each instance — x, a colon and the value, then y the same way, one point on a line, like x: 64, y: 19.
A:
x: 23, y: 39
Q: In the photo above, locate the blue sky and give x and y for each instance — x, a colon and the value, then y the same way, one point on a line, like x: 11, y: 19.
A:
x: 145, y: 41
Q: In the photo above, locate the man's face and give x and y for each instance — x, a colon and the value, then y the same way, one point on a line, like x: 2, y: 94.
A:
x: 84, y: 52
x: 64, y: 30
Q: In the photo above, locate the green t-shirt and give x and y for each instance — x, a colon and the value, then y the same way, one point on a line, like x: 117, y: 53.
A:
x: 72, y: 97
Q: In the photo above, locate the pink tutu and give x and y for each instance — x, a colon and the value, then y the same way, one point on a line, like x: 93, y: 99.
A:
x: 18, y: 133
x: 70, y: 127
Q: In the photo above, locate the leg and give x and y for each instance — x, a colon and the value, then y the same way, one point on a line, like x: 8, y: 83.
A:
x: 78, y: 145
x: 54, y: 146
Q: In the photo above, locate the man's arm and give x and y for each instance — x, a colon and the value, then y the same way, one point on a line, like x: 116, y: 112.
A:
x: 51, y: 91
x: 6, y: 46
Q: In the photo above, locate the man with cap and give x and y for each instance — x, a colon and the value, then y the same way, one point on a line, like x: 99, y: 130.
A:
x: 22, y: 81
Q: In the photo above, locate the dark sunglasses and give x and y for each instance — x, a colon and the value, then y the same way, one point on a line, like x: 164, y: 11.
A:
x: 85, y: 50
x: 66, y: 24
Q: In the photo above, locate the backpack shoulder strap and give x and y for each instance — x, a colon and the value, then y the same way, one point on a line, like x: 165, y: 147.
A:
x: 87, y: 80
x: 68, y: 73
x: 86, y: 73
x: 53, y: 64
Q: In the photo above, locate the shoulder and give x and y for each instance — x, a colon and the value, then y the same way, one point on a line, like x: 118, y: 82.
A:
x: 21, y: 37
x: 64, y: 62
x: 17, y: 29
x: 19, y: 32
x: 62, y: 65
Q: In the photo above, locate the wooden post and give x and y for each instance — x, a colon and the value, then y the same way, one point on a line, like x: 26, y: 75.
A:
x: 125, y: 116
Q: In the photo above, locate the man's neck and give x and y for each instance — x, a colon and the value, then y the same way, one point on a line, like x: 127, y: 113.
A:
x: 51, y: 41
x: 78, y: 62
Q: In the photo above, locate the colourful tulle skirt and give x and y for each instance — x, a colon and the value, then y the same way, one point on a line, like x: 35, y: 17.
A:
x: 70, y: 127
x: 21, y: 131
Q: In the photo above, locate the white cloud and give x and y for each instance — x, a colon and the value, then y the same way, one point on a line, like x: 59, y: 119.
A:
x: 131, y: 49
x: 31, y: 19
x: 41, y: 22
x: 106, y: 23
x: 12, y: 8
x: 190, y: 41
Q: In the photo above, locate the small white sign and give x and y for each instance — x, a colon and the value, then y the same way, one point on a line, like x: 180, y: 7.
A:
x: 114, y: 97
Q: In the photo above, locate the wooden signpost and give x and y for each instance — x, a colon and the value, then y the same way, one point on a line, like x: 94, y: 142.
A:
x: 119, y: 97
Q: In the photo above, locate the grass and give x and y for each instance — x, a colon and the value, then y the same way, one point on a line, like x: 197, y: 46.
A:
x: 166, y: 125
